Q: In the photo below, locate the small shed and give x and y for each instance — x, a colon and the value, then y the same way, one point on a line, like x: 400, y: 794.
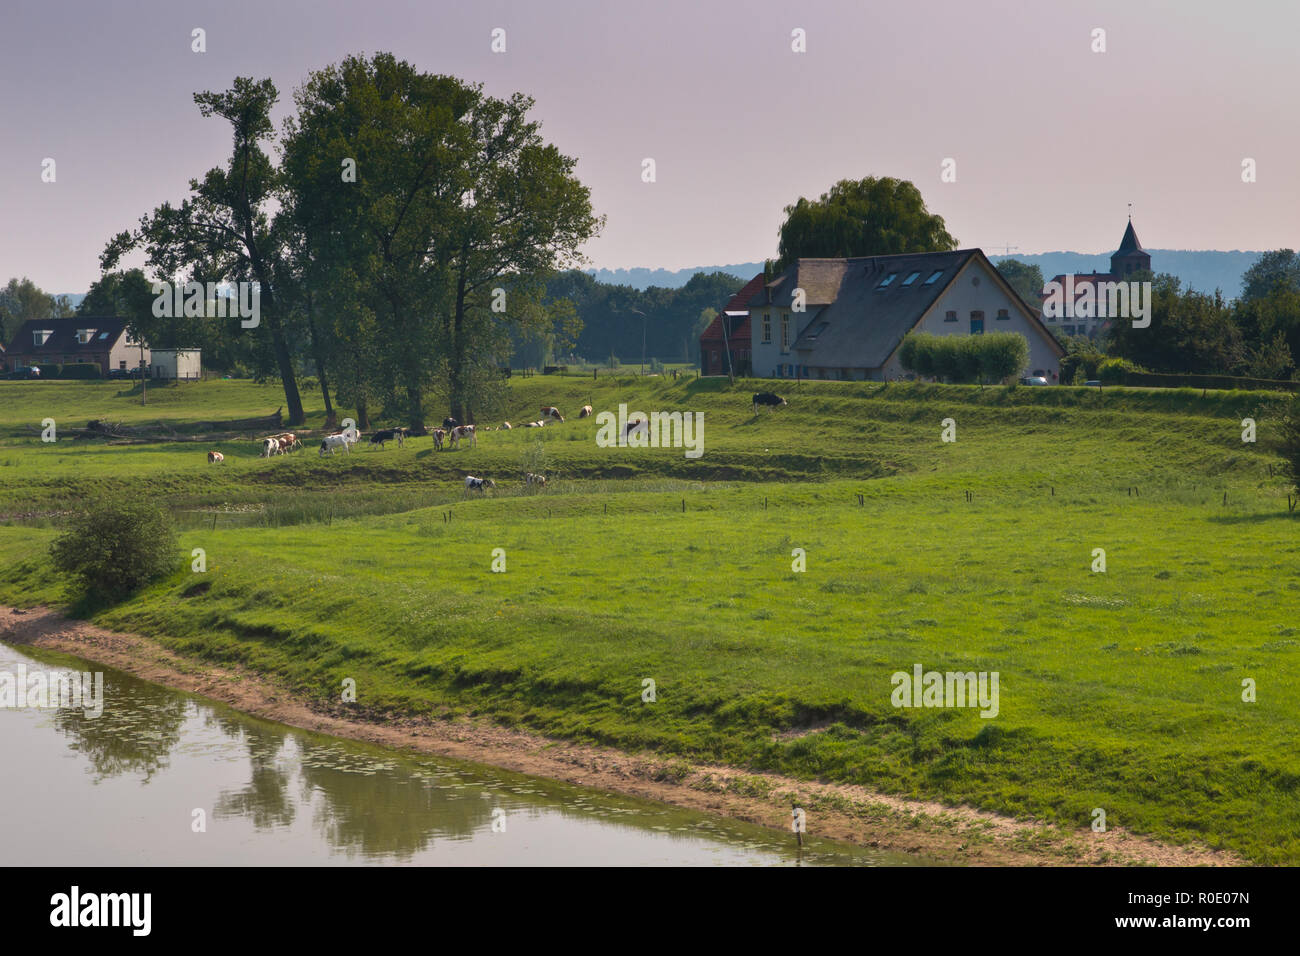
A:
x: 178, y: 364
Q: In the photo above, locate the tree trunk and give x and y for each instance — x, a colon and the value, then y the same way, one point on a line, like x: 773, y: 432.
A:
x: 456, y: 378
x: 320, y: 365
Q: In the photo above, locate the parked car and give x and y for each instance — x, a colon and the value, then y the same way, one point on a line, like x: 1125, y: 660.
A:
x: 1034, y: 380
x: 1093, y: 382
x: 24, y: 372
x: 119, y: 373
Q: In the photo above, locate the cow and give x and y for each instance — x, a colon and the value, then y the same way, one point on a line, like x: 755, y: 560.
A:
x: 585, y: 412
x: 387, y: 435
x: 438, y: 435
x: 270, y: 446
x: 478, y: 484
x: 637, y: 424
x: 449, y: 423
x: 214, y: 457
x: 531, y: 479
x: 550, y: 411
x: 505, y: 426
x: 768, y: 399
x: 288, y: 441
x: 335, y: 441
x: 463, y: 431
x: 536, y: 425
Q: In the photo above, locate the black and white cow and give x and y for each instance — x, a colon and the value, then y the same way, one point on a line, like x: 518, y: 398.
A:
x: 449, y: 423
x: 388, y: 434
x: 480, y: 485
x: 768, y: 399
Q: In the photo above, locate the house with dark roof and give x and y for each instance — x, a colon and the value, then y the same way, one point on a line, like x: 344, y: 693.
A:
x: 1130, y: 257
x: 846, y: 318
x: 75, y: 341
x: 725, y: 344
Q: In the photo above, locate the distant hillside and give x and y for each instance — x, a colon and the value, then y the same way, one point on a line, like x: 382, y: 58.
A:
x: 1205, y: 270
x: 667, y: 278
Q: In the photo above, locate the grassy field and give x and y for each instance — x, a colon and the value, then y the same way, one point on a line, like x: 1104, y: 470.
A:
x: 1120, y: 690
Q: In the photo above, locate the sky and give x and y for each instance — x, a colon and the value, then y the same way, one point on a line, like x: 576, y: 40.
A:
x: 1051, y: 139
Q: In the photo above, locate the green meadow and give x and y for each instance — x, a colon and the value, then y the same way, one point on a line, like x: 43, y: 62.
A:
x: 1121, y: 690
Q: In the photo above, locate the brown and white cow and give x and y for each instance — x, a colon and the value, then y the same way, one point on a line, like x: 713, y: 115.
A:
x: 438, y: 435
x: 585, y: 412
x: 463, y: 431
x: 214, y: 457
x: 550, y: 411
x: 531, y: 479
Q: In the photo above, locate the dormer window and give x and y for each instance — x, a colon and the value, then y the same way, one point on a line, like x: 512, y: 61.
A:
x: 934, y: 276
x: 911, y: 277
x: 41, y: 336
x: 85, y: 335
x: 887, y: 280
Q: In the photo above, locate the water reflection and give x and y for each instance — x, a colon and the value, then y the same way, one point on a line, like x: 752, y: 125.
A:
x: 124, y: 788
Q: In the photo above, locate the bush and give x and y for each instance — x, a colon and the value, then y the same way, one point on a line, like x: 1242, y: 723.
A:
x: 116, y: 547
x: 50, y: 371
x: 992, y: 357
x: 1113, y: 370
x: 82, y: 370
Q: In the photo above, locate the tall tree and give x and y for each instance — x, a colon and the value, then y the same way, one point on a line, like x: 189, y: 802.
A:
x: 1026, y: 279
x: 867, y: 217
x: 22, y: 299
x: 224, y: 230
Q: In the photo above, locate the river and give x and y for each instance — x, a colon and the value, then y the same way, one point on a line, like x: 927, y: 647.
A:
x: 123, y: 788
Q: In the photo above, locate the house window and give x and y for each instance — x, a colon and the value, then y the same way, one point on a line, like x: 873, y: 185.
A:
x: 977, y: 323
x: 1004, y: 315
x: 41, y: 336
x: 85, y: 335
x: 911, y: 277
x: 767, y: 328
x: 934, y: 276
x: 950, y: 317
x: 887, y: 280
x: 121, y: 365
x: 785, y: 331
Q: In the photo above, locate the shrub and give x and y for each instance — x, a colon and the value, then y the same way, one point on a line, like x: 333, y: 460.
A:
x: 82, y: 370
x: 1112, y: 370
x: 992, y: 357
x: 50, y: 371
x: 115, y: 547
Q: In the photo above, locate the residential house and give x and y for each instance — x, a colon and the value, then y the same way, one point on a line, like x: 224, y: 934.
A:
x: 716, y: 340
x: 78, y: 340
x: 846, y: 318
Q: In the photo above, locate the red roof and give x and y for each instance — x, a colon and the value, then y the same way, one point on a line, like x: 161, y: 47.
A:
x: 739, y: 303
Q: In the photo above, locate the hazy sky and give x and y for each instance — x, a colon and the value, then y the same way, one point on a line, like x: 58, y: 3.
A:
x: 1051, y: 140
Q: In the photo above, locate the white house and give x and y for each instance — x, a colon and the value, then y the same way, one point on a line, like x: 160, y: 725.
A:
x: 845, y: 318
x: 182, y: 364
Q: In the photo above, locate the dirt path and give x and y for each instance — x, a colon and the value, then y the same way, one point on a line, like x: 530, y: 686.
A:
x: 837, y: 811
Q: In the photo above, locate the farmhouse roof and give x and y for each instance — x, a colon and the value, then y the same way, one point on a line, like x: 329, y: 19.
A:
x: 736, y: 310
x: 63, y: 335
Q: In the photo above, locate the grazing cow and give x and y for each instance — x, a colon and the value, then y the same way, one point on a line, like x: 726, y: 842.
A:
x: 768, y: 399
x: 637, y: 424
x: 505, y: 426
x: 550, y: 411
x: 335, y: 441
x: 463, y: 431
x: 531, y: 479
x: 387, y: 435
x: 270, y: 446
x: 536, y: 425
x: 287, y: 442
x: 585, y: 412
x: 449, y: 423
x: 478, y: 484
x: 438, y: 435
x: 214, y: 457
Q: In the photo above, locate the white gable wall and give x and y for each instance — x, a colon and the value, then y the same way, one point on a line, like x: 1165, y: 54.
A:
x: 965, y: 296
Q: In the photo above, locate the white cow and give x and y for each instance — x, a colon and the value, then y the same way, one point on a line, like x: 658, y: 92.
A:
x: 336, y: 441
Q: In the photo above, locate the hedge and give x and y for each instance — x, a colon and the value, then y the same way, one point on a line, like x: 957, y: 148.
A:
x: 81, y: 370
x: 991, y: 357
x: 1163, y: 380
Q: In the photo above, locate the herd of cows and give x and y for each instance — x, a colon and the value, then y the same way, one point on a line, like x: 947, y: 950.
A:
x: 449, y: 436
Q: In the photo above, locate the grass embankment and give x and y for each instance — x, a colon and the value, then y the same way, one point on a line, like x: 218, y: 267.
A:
x: 1119, y: 690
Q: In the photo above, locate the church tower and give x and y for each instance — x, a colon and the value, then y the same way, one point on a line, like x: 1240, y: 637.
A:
x: 1130, y: 256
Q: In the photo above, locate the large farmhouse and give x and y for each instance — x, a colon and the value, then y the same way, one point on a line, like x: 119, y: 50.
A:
x: 75, y: 341
x: 845, y: 318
